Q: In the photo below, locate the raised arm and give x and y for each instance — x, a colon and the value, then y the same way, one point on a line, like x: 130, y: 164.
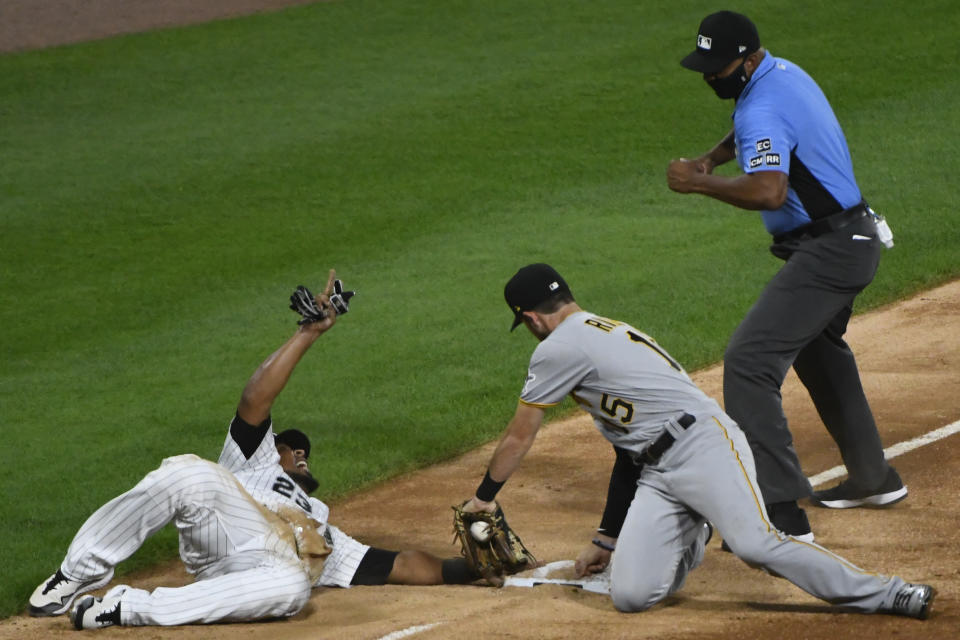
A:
x: 271, y: 376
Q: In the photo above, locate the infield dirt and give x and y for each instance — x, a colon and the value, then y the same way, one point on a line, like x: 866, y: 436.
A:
x: 909, y: 355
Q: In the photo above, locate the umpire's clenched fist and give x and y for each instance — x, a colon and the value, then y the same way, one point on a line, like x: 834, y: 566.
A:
x: 682, y: 174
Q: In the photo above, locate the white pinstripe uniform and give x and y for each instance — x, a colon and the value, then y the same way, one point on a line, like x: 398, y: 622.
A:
x: 635, y: 391
x: 244, y: 570
x: 263, y: 477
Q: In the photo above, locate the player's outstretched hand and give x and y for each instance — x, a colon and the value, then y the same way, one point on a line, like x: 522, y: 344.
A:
x: 592, y: 559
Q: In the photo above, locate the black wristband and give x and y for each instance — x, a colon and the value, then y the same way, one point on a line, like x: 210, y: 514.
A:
x: 488, y: 488
x: 604, y: 545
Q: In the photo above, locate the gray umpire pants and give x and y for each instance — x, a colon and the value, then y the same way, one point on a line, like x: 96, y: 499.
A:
x: 799, y: 320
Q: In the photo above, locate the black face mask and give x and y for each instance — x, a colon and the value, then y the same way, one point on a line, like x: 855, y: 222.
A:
x: 731, y: 86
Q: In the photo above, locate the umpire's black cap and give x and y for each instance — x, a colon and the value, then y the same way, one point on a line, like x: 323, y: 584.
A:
x: 722, y: 38
x: 295, y: 439
x: 531, y: 286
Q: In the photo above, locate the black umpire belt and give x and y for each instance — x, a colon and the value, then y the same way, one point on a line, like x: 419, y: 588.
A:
x: 822, y: 226
x: 651, y: 455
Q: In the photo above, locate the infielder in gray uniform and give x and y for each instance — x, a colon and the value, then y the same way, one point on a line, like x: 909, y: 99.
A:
x: 682, y: 464
x: 251, y: 535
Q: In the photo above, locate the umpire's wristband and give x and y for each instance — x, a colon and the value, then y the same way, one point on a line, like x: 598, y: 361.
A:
x: 488, y: 488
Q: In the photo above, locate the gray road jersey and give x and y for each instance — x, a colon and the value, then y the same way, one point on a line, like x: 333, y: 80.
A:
x: 621, y: 376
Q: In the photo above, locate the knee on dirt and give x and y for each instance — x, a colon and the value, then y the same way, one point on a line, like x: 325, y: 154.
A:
x: 636, y: 595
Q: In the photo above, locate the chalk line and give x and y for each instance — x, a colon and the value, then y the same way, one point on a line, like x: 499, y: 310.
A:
x: 409, y: 631
x: 893, y: 451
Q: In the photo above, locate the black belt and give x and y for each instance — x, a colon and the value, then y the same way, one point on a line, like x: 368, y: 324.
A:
x: 825, y: 225
x: 651, y: 455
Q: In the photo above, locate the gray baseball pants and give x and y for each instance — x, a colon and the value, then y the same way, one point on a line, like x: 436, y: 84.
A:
x: 708, y: 473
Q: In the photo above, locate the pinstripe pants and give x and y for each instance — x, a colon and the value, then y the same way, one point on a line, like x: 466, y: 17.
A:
x: 244, y: 570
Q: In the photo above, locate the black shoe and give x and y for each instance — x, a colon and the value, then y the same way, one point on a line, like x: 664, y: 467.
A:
x: 790, y: 519
x: 847, y: 495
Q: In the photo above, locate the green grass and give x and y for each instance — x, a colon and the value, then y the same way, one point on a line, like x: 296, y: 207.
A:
x: 163, y: 193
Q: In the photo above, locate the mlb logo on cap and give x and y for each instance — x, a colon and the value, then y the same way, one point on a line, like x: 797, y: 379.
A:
x: 531, y: 286
x: 722, y: 38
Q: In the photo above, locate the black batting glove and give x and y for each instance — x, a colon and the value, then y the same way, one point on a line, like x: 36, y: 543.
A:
x: 302, y: 302
x: 340, y: 298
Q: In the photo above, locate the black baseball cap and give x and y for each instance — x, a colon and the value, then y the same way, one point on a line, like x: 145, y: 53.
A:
x: 530, y: 287
x: 722, y: 38
x: 295, y: 439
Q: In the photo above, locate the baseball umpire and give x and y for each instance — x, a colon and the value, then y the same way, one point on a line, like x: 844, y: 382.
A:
x: 798, y: 173
x: 681, y: 462
x: 251, y: 535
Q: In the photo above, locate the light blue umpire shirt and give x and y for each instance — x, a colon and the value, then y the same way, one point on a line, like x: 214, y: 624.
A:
x: 783, y: 122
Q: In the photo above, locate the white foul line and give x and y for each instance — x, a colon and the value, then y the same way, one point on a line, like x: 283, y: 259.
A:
x: 409, y: 631
x: 893, y: 451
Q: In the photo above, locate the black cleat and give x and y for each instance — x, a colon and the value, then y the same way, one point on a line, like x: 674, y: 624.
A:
x: 847, y: 495
x: 790, y: 519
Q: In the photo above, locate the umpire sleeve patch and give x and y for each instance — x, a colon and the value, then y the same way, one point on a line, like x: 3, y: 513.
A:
x: 756, y: 161
x: 772, y: 159
x: 764, y: 145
